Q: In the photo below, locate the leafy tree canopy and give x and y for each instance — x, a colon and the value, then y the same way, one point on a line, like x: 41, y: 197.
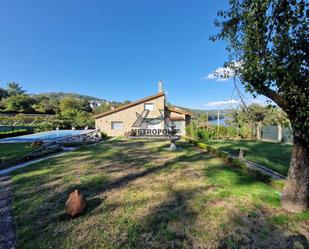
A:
x: 269, y: 40
x: 70, y: 106
x: 19, y: 103
x: 14, y: 89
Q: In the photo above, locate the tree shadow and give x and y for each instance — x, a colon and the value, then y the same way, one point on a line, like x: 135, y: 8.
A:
x: 166, y: 225
x: 40, y: 178
x: 254, y: 229
x: 276, y: 156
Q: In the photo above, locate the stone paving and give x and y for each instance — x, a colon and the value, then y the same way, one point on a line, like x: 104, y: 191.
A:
x: 7, y: 227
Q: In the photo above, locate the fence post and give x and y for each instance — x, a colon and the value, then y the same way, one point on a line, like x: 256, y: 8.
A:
x: 259, y: 131
x: 279, y: 133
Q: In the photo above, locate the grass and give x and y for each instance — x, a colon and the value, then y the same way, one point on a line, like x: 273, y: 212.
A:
x: 275, y: 156
x: 11, y: 151
x: 141, y: 196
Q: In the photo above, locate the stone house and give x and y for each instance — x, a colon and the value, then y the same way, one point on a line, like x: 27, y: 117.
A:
x: 147, y: 116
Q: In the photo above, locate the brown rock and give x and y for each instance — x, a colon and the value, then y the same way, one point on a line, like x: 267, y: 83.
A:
x: 75, y: 204
x: 37, y: 143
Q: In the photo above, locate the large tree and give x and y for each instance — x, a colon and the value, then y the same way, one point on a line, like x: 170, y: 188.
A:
x: 69, y: 106
x: 269, y: 41
x: 14, y: 89
x: 19, y: 103
x: 3, y: 93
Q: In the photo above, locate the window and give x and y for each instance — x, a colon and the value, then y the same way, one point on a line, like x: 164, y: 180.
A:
x: 180, y: 126
x: 117, y: 125
x: 148, y: 106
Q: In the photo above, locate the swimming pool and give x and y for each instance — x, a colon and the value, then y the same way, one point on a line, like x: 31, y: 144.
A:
x: 47, y: 136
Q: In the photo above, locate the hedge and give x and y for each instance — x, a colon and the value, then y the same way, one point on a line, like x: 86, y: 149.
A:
x: 6, y: 134
x: 235, y: 162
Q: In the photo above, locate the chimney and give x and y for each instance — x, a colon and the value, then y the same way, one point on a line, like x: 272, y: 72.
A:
x: 160, y: 86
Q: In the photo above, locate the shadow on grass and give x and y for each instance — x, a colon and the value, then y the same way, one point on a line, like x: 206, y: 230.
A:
x: 253, y: 229
x: 44, y: 181
x: 167, y: 225
x: 276, y: 156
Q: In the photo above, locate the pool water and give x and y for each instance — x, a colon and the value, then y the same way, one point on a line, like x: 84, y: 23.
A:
x: 47, y: 136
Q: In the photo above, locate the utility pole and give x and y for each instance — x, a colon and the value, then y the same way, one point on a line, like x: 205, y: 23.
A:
x: 218, y: 123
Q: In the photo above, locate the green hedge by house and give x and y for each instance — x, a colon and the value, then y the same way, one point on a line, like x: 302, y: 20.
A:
x: 6, y: 134
x: 212, y: 132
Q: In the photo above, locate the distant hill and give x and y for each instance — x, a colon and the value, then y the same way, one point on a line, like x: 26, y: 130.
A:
x: 60, y: 95
x: 212, y: 114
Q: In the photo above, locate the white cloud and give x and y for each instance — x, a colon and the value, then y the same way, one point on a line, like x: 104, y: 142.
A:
x: 223, y: 73
x: 222, y: 79
x: 255, y: 101
x: 222, y: 103
x: 209, y: 76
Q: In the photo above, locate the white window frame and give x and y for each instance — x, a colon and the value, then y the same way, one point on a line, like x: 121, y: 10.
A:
x: 149, y: 104
x: 117, y: 128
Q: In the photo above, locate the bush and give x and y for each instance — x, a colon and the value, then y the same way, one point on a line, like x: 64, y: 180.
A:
x: 6, y: 134
x: 202, y: 146
x: 210, y: 149
x: 260, y: 176
x: 278, y: 184
x: 211, y: 132
x: 103, y: 135
x: 224, y: 155
x: 200, y: 134
x: 239, y: 164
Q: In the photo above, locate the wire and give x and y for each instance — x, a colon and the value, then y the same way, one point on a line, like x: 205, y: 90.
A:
x: 241, y: 97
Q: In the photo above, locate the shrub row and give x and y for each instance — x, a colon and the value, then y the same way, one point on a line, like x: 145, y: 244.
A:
x: 212, y: 131
x: 234, y: 161
x: 5, y: 134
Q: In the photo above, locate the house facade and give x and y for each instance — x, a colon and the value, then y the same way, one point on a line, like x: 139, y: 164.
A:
x: 148, y: 116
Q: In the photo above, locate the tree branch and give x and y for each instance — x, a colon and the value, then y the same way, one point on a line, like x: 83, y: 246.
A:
x: 273, y: 95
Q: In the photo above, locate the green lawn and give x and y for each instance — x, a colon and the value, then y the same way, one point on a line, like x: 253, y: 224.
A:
x: 10, y: 151
x: 275, y: 156
x: 141, y: 196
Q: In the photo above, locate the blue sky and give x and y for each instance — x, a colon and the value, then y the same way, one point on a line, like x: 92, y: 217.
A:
x: 115, y: 50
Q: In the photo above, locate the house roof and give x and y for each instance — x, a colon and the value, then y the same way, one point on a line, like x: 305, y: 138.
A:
x: 129, y: 105
x: 177, y: 119
x: 178, y: 110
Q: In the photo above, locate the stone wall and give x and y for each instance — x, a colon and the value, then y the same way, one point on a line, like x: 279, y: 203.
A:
x: 84, y: 138
x: 128, y: 117
x: 54, y: 147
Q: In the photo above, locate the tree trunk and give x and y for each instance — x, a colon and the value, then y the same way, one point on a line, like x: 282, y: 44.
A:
x: 295, y: 196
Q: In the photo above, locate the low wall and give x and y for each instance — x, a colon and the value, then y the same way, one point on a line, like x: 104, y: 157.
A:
x: 84, y: 138
x: 276, y: 133
x: 54, y: 147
